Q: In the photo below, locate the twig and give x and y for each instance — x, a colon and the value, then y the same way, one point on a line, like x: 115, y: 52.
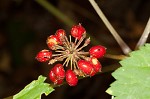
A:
x: 116, y: 57
x: 125, y: 48
x: 144, y: 35
x: 55, y: 12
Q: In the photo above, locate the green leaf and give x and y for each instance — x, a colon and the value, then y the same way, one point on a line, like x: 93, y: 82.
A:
x: 133, y: 78
x: 35, y: 89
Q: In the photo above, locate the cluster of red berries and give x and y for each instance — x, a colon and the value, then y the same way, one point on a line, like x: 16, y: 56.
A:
x: 77, y: 62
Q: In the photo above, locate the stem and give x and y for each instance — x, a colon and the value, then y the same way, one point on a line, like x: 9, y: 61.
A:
x: 59, y: 51
x: 84, y: 45
x: 70, y: 38
x: 60, y: 58
x: 144, y: 35
x: 74, y: 63
x: 56, y: 55
x: 83, y: 53
x: 71, y: 62
x: 59, y: 47
x: 55, y: 12
x: 116, y: 57
x: 64, y: 18
x: 81, y: 47
x: 66, y: 42
x: 79, y: 42
x: 125, y: 48
x: 66, y: 61
x: 75, y: 40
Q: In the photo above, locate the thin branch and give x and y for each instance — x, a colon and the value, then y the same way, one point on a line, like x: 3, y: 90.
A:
x: 125, y: 48
x: 60, y: 15
x: 116, y: 57
x: 48, y: 6
x: 144, y: 36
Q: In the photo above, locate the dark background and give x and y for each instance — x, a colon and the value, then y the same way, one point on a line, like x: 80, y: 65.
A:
x: 25, y: 25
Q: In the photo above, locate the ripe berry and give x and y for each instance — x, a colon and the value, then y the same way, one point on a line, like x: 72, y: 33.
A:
x: 57, y: 74
x: 54, y: 78
x: 97, y: 51
x: 96, y: 64
x: 44, y: 55
x: 60, y: 34
x: 59, y: 71
x: 86, y: 67
x: 52, y: 41
x: 77, y: 31
x: 71, y: 78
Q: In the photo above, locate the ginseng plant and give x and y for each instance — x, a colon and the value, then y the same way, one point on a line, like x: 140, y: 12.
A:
x: 73, y: 63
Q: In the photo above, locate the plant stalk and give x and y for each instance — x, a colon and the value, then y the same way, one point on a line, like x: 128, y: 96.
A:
x: 144, y: 36
x: 125, y: 48
x: 116, y: 57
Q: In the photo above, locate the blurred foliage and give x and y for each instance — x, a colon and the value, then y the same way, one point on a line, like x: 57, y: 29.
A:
x: 19, y: 36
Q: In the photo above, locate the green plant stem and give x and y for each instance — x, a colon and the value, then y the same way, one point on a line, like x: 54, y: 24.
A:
x: 125, y: 48
x: 65, y: 19
x: 144, y: 36
x: 116, y: 57
x: 55, y: 12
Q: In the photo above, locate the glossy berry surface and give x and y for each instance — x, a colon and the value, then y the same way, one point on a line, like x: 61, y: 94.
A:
x: 52, y: 41
x: 70, y: 52
x: 96, y: 64
x: 44, y: 55
x: 57, y: 74
x: 60, y: 33
x: 97, y: 51
x: 86, y: 67
x: 53, y: 78
x: 71, y: 78
x: 77, y: 31
x: 59, y: 71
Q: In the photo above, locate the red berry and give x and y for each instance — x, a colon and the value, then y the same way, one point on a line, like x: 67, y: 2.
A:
x: 60, y: 34
x: 52, y: 41
x: 86, y: 67
x: 96, y: 64
x: 77, y: 31
x: 71, y: 78
x: 44, y: 55
x: 97, y: 51
x: 59, y: 71
x: 53, y: 78
x: 57, y: 74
